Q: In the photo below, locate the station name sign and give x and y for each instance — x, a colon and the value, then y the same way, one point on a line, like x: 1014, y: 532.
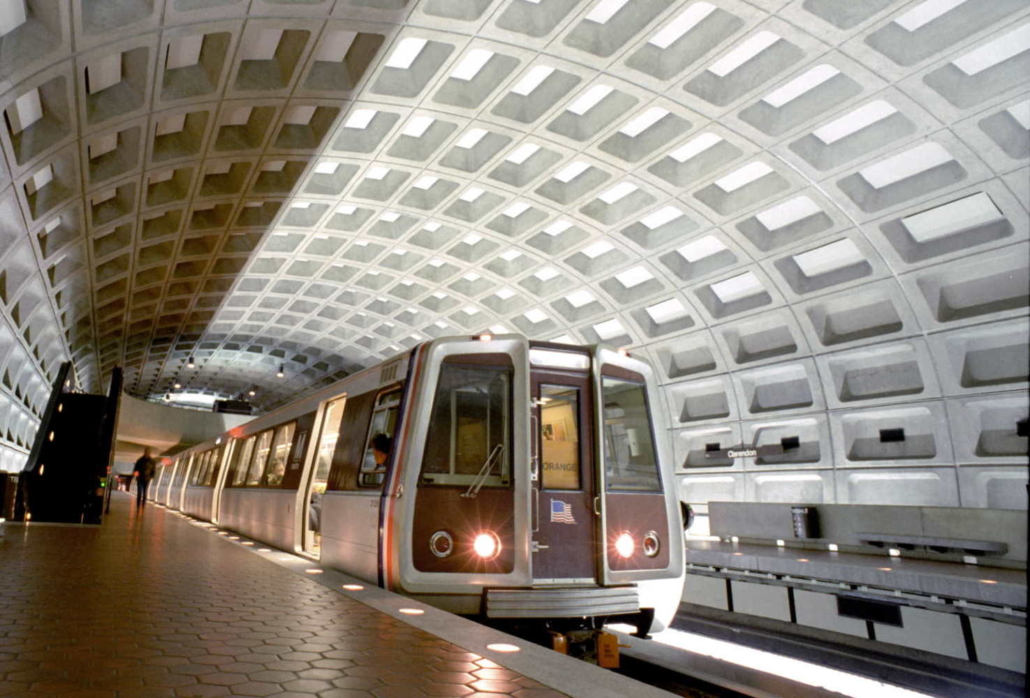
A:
x: 743, y: 452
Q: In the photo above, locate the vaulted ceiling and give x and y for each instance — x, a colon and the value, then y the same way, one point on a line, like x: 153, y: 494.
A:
x: 776, y: 201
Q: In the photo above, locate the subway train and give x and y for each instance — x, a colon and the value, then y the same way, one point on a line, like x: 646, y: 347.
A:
x: 488, y: 476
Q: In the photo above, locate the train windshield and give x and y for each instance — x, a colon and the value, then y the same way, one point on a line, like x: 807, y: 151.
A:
x: 469, y: 439
x: 630, y: 461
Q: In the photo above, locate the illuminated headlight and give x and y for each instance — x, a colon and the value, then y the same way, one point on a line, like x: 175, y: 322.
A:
x: 487, y: 545
x: 651, y: 544
x: 442, y: 544
x: 624, y: 545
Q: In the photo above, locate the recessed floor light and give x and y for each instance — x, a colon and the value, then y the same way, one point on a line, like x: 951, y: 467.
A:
x: 353, y: 587
x: 503, y: 647
x: 314, y: 571
x: 412, y: 611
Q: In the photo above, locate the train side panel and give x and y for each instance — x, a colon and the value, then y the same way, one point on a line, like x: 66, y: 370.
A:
x: 266, y: 515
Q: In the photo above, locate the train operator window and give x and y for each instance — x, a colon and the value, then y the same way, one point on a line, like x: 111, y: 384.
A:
x: 469, y: 441
x: 261, y: 450
x: 384, y: 421
x: 275, y: 467
x: 630, y: 462
x: 559, y: 437
x: 242, y: 462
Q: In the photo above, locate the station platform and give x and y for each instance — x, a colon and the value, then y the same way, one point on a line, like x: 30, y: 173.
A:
x: 151, y: 604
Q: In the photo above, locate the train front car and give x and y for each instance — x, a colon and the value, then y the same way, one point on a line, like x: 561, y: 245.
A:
x: 531, y: 481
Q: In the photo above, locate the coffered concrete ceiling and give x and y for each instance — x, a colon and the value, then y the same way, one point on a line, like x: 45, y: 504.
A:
x: 797, y: 210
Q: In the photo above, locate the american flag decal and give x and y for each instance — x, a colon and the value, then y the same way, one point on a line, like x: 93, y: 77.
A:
x: 561, y: 512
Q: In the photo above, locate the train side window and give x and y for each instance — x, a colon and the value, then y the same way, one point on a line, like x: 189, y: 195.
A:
x: 275, y: 467
x: 242, y: 462
x: 212, y: 471
x: 630, y: 462
x: 261, y: 450
x: 384, y: 421
x: 349, y: 450
x: 469, y: 440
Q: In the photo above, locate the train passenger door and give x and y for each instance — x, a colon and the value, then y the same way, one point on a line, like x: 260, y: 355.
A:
x: 318, y: 477
x: 564, y: 543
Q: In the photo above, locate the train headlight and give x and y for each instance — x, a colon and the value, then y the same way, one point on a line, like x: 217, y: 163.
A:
x: 442, y: 544
x: 652, y: 544
x: 624, y: 545
x: 487, y: 545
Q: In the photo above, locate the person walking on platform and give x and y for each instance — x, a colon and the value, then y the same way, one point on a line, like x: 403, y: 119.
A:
x: 143, y: 472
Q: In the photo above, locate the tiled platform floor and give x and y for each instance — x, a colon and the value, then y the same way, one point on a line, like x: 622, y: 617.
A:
x: 149, y: 606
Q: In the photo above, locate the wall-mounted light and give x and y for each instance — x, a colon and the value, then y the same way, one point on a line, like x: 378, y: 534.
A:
x: 190, y: 363
x: 281, y: 372
x: 178, y: 385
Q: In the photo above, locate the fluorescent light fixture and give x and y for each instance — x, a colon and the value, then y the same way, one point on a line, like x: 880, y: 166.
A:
x: 742, y: 177
x: 510, y: 255
x: 589, y: 99
x: 571, y: 171
x: 472, y: 239
x: 471, y: 138
x: 743, y: 53
x: 406, y: 53
x: 605, y: 10
x: 823, y: 260
x: 303, y: 205
x: 504, y: 294
x: 418, y: 126
x: 499, y: 329
x: 390, y: 217
x: 471, y: 194
x: 426, y: 182
x: 472, y: 64
x: 662, y: 216
x: 435, y: 262
x: 346, y: 209
x: 558, y: 227
x: 634, y: 277
x: 522, y: 153
x: 643, y: 122
x: 1021, y: 113
x: 431, y: 226
x: 737, y: 287
x: 532, y: 80
x: 609, y: 329
x: 12, y: 15
x: 683, y: 23
x: 991, y: 54
x: 377, y: 173
x: 335, y: 46
x: 104, y: 72
x: 263, y: 47
x: 472, y: 276
x: 360, y: 118
x: 28, y: 109
x: 853, y: 122
x: 597, y: 249
x: 970, y: 212
x: 535, y: 315
x: 546, y: 274
x: 470, y: 310
x: 695, y: 147
x: 666, y: 311
x: 327, y: 167
x: 617, y: 193
x: 561, y: 339
x: 792, y: 211
x: 516, y: 209
x: 806, y: 673
x: 907, y: 164
x: 926, y: 12
x: 184, y: 51
x: 577, y: 299
x: 299, y: 115
x: 701, y: 248
x: 800, y: 85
